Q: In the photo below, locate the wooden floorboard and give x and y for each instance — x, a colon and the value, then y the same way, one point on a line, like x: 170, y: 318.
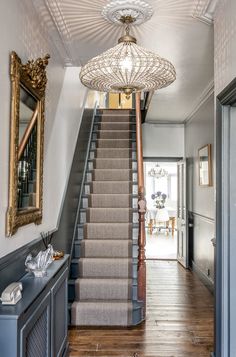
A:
x: 179, y: 321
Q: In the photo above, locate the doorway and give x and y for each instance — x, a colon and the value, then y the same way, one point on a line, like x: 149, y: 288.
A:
x: 225, y: 243
x: 161, y: 187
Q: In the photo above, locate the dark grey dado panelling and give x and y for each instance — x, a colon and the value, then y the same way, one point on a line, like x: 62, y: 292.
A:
x: 199, y: 131
x: 12, y: 266
x: 64, y: 235
x: 203, y: 250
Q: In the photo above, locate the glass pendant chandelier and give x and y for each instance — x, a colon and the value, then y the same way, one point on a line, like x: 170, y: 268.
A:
x: 127, y: 67
x: 158, y: 172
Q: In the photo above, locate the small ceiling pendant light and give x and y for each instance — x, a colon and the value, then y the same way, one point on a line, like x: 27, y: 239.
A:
x: 127, y: 67
x: 158, y: 172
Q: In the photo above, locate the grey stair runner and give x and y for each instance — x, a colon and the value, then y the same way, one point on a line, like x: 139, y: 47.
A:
x: 113, y: 163
x: 112, y: 175
x: 103, y: 291
x: 110, y: 201
x: 109, y: 143
x: 113, y: 153
x: 107, y: 248
x: 107, y: 230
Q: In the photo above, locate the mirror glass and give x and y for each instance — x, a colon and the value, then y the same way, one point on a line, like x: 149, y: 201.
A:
x: 27, y: 151
x: 205, y: 165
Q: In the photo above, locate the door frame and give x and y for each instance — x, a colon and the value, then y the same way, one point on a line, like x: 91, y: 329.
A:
x: 184, y: 261
x: 163, y: 159
x: 225, y: 283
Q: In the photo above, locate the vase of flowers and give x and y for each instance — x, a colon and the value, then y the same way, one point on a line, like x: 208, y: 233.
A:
x: 159, y: 198
x: 162, y: 213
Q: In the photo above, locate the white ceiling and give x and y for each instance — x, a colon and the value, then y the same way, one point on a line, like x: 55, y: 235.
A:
x: 180, y: 30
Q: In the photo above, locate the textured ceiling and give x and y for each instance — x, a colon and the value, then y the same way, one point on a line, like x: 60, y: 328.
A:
x: 180, y: 30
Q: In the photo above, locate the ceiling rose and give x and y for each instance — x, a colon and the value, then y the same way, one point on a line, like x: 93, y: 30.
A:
x: 139, y: 10
x: 127, y: 67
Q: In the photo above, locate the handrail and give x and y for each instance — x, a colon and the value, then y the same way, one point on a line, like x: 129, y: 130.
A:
x: 141, y: 206
x: 82, y: 182
x: 27, y: 132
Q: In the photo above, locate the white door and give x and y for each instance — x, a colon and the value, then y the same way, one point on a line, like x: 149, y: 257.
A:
x: 182, y: 219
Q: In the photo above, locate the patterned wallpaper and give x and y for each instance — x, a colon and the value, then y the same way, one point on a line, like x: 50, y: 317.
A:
x: 225, y: 43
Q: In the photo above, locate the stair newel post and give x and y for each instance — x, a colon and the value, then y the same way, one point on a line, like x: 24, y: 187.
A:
x: 141, y: 206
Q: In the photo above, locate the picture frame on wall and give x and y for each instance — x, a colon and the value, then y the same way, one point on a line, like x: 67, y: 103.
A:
x: 205, y: 165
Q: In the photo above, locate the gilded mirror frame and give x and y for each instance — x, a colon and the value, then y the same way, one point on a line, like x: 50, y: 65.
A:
x: 32, y: 78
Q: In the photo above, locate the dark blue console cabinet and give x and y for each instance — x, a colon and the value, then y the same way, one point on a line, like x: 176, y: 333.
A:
x: 37, y: 324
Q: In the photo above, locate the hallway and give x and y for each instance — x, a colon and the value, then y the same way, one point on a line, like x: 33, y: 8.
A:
x: 179, y: 321
x: 161, y: 245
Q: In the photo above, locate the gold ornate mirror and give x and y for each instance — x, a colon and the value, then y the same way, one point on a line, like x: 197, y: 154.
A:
x: 28, y: 84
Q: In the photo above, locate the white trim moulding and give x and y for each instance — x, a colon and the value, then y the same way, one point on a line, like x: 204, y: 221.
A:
x: 208, y: 91
x: 50, y: 15
x: 204, y: 11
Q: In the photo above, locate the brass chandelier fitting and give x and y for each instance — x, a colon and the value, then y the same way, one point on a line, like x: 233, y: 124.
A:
x: 127, y: 67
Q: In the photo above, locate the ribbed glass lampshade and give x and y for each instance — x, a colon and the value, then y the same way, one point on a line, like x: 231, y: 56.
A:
x: 127, y: 67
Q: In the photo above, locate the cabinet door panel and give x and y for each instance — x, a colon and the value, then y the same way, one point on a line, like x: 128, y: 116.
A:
x: 35, y: 334
x: 59, y: 315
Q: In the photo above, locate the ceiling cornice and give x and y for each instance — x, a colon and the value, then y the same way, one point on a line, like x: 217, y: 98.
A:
x: 209, y: 90
x: 204, y: 11
x: 51, y: 16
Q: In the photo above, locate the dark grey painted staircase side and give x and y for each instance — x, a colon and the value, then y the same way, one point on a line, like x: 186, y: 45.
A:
x: 67, y: 229
x: 111, y: 168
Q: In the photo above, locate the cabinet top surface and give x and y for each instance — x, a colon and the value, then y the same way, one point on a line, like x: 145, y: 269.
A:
x: 32, y: 287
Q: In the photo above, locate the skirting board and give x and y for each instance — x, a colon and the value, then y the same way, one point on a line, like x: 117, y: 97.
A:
x: 206, y: 281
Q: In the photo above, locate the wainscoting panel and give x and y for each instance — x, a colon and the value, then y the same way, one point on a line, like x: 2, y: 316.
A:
x: 12, y: 266
x: 64, y: 235
x: 202, y: 248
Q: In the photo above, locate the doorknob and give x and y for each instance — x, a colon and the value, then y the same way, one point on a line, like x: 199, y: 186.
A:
x: 190, y: 225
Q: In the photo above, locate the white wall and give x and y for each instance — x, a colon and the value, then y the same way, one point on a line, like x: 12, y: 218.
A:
x: 22, y: 32
x: 59, y: 147
x: 199, y: 131
x: 225, y: 43
x: 163, y: 140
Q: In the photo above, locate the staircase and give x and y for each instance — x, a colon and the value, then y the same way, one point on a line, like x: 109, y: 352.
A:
x: 103, y: 284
